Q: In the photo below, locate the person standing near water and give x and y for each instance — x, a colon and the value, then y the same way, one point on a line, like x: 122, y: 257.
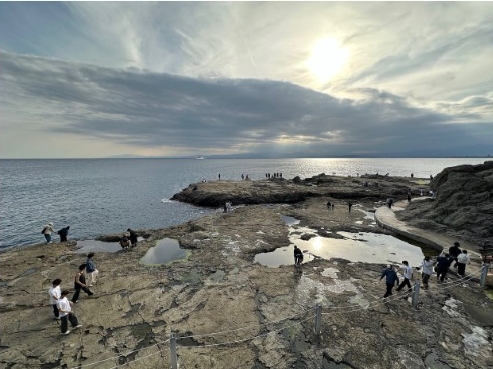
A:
x: 133, y: 237
x: 298, y: 256
x: 47, y: 231
x: 92, y: 272
x: 63, y: 234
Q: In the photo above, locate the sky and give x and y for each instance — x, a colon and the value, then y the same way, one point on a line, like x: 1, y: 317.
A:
x: 264, y: 79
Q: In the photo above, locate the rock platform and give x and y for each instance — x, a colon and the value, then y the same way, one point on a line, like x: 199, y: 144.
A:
x: 229, y: 312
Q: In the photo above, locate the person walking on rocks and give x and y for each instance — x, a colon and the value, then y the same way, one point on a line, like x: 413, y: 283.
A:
x: 391, y: 280
x: 133, y: 237
x: 462, y: 260
x: 47, y: 231
x: 80, y: 284
x: 298, y: 256
x: 443, y: 264
x: 350, y: 205
x: 427, y: 271
x: 63, y: 234
x: 408, y: 276
x: 55, y: 294
x: 92, y: 272
x: 454, y: 252
x: 66, y: 313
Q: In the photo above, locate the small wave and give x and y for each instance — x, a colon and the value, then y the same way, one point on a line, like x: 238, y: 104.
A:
x: 166, y: 200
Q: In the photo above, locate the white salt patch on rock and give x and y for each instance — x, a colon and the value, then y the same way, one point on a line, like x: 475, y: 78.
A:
x: 330, y: 272
x: 476, y: 343
x: 451, y: 307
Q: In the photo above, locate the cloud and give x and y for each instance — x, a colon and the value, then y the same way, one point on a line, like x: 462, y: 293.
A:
x: 179, y: 78
x: 171, y: 113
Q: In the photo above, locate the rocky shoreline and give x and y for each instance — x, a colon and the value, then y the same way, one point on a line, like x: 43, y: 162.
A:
x: 230, y: 312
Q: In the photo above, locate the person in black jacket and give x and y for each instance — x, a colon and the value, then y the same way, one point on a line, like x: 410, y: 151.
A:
x: 133, y: 237
x: 298, y: 256
x: 63, y: 234
x: 454, y: 252
x: 391, y: 279
x: 443, y: 264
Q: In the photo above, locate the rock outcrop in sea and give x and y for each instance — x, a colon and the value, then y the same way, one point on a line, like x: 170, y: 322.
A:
x: 463, y: 205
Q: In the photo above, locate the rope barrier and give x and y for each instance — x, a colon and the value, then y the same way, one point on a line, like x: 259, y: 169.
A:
x: 458, y: 281
x: 251, y: 338
x: 359, y: 308
x: 248, y: 327
x: 374, y: 303
x: 133, y: 361
x: 116, y: 357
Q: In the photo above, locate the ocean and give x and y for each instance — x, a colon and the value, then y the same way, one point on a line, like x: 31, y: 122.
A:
x: 101, y: 196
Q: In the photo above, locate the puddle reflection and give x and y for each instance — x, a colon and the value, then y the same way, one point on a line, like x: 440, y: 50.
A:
x: 86, y: 246
x: 165, y: 251
x: 355, y: 247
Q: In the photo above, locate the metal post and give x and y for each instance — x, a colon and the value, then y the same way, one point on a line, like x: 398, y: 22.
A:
x: 484, y: 273
x: 172, y: 348
x: 318, y: 319
x: 416, y: 294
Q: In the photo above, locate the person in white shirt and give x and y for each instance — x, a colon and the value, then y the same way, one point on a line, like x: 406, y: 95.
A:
x: 462, y: 260
x: 427, y: 271
x: 66, y: 313
x: 55, y: 294
x: 408, y: 275
x: 47, y: 231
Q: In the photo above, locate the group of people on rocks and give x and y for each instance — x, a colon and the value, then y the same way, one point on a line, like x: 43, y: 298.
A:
x: 62, y: 306
x: 440, y: 266
x: 130, y: 241
x: 274, y: 175
x: 49, y: 229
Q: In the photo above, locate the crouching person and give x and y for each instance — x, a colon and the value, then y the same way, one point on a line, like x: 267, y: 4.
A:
x: 66, y: 314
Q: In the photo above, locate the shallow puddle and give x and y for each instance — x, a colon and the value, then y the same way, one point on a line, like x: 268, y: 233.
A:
x: 355, y: 247
x: 289, y: 220
x: 165, y: 251
x: 86, y: 246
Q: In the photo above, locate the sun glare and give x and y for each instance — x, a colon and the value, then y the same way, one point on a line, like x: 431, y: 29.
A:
x: 327, y: 59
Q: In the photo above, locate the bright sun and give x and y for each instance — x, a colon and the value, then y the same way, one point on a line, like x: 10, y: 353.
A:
x: 327, y: 59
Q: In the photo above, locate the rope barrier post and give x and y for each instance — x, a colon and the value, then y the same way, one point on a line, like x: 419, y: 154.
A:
x: 172, y: 348
x: 318, y: 319
x: 484, y: 273
x: 416, y: 294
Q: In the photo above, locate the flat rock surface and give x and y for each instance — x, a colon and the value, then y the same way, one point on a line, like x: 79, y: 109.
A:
x: 230, y: 312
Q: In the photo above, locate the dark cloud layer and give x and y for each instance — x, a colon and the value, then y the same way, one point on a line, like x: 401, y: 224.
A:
x: 230, y: 115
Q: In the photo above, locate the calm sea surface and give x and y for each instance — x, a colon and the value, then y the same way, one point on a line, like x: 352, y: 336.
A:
x: 100, y: 196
